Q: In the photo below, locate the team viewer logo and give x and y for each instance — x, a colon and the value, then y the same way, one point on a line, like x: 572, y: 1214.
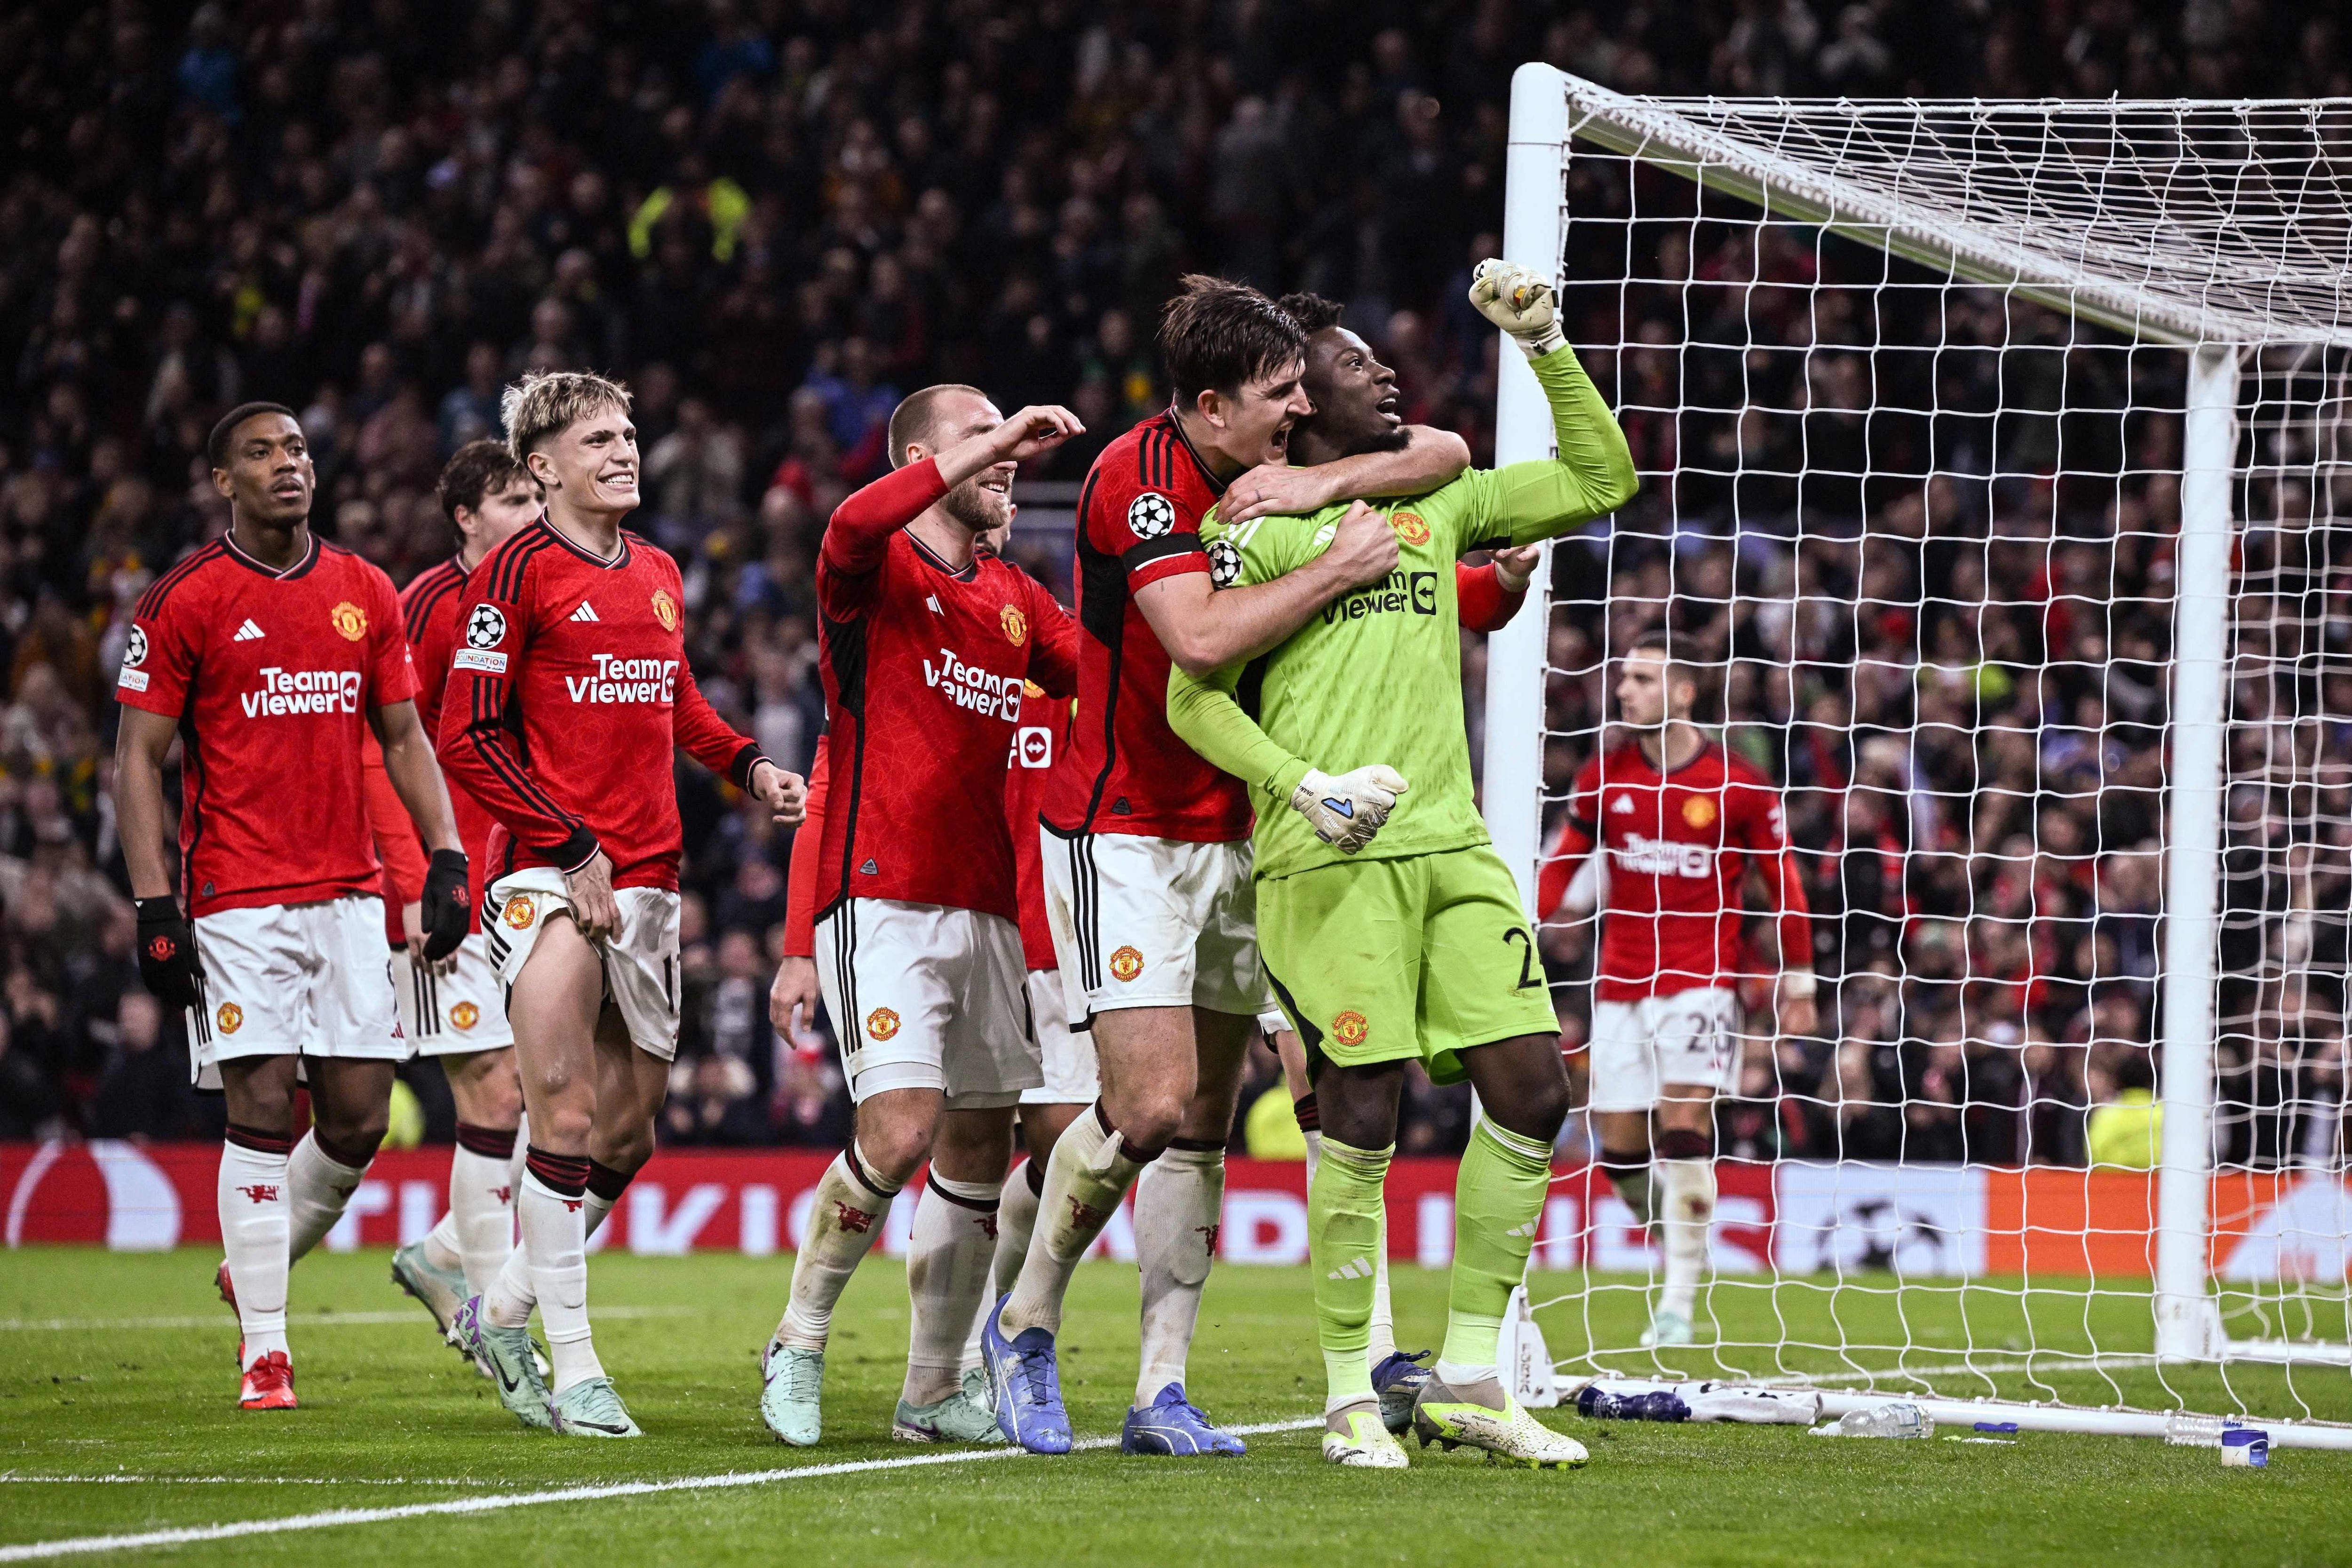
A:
x: 465, y: 1016
x: 665, y: 609
x: 1349, y: 1028
x: 231, y: 1018
x: 1016, y: 624
x: 1150, y: 515
x: 350, y: 620
x: 1410, y: 529
x: 881, y: 1024
x: 1699, y: 811
x: 1126, y: 963
x: 518, y: 912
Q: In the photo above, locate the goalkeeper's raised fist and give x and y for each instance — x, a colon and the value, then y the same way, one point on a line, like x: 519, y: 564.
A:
x: 1346, y: 811
x: 1519, y: 302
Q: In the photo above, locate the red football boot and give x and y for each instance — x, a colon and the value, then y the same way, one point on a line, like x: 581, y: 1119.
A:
x: 269, y: 1384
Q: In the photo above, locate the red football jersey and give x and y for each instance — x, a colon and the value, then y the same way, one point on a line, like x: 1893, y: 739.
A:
x: 566, y: 698
x: 1139, y: 521
x: 1679, y: 846
x: 924, y: 670
x: 429, y: 612
x: 271, y: 675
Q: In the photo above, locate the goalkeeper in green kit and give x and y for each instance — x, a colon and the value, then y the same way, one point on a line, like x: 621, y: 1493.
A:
x: 1391, y: 928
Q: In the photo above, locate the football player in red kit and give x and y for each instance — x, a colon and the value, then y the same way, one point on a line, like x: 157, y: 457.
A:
x: 457, y: 1011
x: 564, y: 706
x: 268, y: 653
x: 926, y: 644
x: 1683, y: 822
x: 1146, y: 849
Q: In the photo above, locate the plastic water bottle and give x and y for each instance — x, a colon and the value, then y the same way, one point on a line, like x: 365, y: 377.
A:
x: 1894, y: 1418
x: 1654, y: 1404
x: 2183, y: 1430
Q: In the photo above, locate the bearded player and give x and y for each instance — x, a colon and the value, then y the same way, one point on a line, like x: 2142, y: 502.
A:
x: 1683, y: 821
x: 563, y: 711
x: 1145, y: 848
x: 1396, y: 934
x: 926, y: 645
x: 456, y: 1011
x: 268, y: 653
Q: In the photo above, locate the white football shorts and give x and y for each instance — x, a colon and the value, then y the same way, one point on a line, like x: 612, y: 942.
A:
x: 293, y: 980
x: 456, y: 1013
x: 1065, y: 1054
x: 923, y: 996
x: 640, y: 960
x: 1691, y: 1038
x: 1152, y: 922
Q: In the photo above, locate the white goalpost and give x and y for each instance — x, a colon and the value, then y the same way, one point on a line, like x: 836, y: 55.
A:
x: 1997, y: 464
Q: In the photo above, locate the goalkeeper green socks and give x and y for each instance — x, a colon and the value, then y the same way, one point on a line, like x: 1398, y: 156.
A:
x: 1498, y: 1203
x: 1344, y: 1210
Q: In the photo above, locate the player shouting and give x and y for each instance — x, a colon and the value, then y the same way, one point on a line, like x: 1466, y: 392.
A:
x: 1146, y: 853
x: 268, y: 653
x: 1683, y: 821
x: 924, y: 646
x: 457, y: 1012
x: 1410, y: 945
x: 563, y: 709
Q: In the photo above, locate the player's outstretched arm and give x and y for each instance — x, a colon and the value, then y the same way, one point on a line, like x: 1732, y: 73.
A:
x: 861, y: 526
x: 1205, y: 628
x: 1594, y: 474
x: 1430, y: 458
x: 1346, y: 811
x: 712, y: 742
x: 1487, y: 597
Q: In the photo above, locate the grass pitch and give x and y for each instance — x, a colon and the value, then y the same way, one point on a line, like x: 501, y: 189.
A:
x: 122, y: 1420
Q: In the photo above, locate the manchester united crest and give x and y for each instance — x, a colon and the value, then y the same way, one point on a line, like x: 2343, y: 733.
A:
x: 1349, y: 1028
x: 517, y: 913
x: 230, y: 1017
x: 1699, y: 811
x: 1410, y: 529
x: 465, y: 1016
x: 666, y: 609
x: 1016, y: 624
x: 881, y: 1024
x: 1126, y: 964
x: 350, y: 621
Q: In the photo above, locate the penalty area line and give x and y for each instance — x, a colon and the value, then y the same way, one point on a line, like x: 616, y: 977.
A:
x: 72, y: 1546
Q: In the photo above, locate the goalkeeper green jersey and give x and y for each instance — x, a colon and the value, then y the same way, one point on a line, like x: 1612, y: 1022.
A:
x: 1376, y: 677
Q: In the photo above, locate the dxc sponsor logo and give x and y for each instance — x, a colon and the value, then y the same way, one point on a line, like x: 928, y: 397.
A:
x: 1398, y: 592
x: 991, y: 695
x: 625, y: 680
x: 285, y: 691
x: 1663, y: 857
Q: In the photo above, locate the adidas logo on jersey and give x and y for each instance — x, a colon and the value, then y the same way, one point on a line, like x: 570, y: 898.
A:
x: 583, y: 613
x: 248, y: 632
x: 933, y: 600
x: 1354, y: 1269
x: 1624, y: 803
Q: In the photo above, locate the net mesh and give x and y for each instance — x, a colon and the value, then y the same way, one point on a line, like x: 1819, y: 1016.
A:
x: 1918, y: 532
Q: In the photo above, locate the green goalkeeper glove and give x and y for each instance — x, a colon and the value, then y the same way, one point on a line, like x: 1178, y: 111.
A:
x: 1346, y: 811
x: 1519, y: 302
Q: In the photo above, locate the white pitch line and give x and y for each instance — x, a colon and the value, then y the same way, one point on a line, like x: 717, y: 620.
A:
x: 79, y: 1545
x: 297, y: 1319
x: 11, y: 1477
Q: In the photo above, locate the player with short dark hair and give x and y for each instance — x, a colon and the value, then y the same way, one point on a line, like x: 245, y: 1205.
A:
x: 268, y: 653
x: 455, y: 1010
x: 1683, y: 821
x: 1145, y: 854
x: 565, y: 706
x: 1396, y: 934
x: 928, y: 646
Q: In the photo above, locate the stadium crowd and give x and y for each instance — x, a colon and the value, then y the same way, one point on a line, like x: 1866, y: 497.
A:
x: 774, y: 217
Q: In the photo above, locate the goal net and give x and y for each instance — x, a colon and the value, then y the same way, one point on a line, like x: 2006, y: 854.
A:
x: 1997, y: 473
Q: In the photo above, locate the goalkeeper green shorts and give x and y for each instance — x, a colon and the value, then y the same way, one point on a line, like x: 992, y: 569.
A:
x: 1418, y: 958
